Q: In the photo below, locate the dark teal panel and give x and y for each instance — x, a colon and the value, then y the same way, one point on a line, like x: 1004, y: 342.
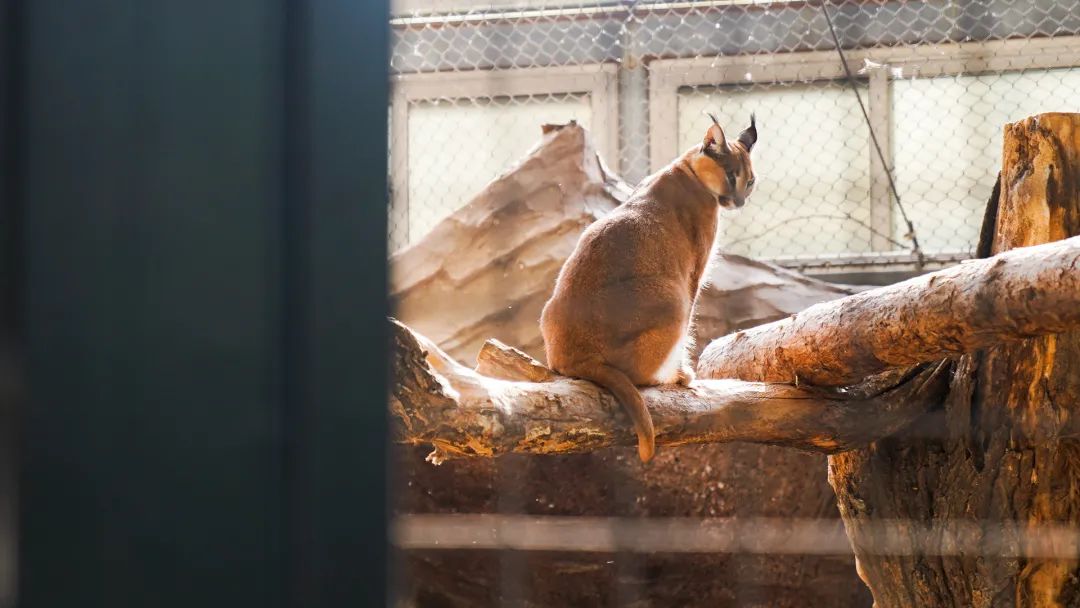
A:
x: 200, y: 233
x: 339, y: 539
x: 11, y: 376
x: 152, y: 207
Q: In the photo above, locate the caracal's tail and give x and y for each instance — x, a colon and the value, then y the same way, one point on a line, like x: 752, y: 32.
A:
x: 629, y: 396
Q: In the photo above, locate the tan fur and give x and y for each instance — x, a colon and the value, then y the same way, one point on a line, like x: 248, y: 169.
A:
x: 624, y: 299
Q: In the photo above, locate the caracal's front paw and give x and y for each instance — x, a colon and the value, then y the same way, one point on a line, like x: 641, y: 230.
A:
x: 684, y: 376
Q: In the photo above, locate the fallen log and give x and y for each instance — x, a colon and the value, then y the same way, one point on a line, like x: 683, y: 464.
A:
x: 1023, y: 293
x: 464, y: 413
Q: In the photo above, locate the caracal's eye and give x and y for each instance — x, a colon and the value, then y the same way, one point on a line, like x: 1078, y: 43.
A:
x: 750, y: 184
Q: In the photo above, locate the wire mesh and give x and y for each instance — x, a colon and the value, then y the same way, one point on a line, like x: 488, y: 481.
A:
x: 473, y: 81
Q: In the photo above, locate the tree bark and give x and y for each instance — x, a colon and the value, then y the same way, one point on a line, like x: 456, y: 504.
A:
x: 1020, y: 294
x: 522, y: 406
x: 1000, y: 459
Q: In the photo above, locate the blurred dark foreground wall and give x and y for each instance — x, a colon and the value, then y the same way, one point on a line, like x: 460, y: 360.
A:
x: 192, y: 237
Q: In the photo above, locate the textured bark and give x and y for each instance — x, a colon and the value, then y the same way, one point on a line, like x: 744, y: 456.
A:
x: 463, y: 413
x: 484, y: 273
x: 1023, y: 293
x: 743, y: 293
x: 1000, y: 458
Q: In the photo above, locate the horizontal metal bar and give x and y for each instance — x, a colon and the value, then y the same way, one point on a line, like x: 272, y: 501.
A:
x: 423, y: 14
x: 770, y: 536
x: 921, y: 61
x: 893, y: 260
x: 588, y: 78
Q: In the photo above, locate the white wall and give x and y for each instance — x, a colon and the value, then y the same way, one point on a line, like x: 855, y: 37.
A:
x: 948, y: 138
x: 811, y: 163
x: 812, y: 160
x: 457, y: 147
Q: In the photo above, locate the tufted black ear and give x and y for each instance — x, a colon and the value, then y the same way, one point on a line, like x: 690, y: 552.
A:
x: 714, y: 143
x: 749, y: 137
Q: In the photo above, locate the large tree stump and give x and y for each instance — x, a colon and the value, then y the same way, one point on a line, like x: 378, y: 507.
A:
x: 969, y: 487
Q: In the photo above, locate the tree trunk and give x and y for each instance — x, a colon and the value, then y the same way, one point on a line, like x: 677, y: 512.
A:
x: 970, y: 491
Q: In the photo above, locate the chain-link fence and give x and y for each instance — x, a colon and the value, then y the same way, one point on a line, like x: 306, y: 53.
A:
x: 473, y: 81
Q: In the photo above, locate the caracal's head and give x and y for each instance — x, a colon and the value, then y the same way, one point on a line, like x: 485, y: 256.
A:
x: 724, y: 168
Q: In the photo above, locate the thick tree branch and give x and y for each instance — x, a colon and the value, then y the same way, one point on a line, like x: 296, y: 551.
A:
x: 1022, y: 293
x: 436, y: 400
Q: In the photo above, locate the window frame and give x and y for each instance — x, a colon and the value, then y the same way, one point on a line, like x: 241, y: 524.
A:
x: 667, y: 76
x: 599, y: 81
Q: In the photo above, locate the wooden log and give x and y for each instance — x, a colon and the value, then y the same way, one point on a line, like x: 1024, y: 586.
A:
x: 463, y: 413
x: 1019, y: 294
x: 1002, y: 456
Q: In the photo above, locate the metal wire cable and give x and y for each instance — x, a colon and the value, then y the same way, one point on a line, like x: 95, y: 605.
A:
x: 873, y: 137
